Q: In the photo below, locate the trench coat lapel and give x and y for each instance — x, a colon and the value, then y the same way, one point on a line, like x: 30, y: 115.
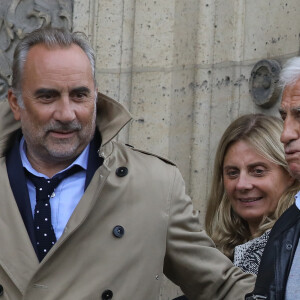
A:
x: 17, y: 255
x: 94, y: 161
x: 19, y: 188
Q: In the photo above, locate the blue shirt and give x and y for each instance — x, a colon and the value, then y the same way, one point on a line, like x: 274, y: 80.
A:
x: 297, y: 202
x: 67, y: 194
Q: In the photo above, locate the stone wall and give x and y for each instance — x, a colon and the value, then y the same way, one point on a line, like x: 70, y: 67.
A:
x: 182, y: 67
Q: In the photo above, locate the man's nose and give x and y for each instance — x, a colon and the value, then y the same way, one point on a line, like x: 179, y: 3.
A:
x: 64, y: 111
x: 290, y: 130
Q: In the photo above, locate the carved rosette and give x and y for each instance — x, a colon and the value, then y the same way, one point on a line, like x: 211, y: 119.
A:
x: 263, y: 84
x: 19, y: 17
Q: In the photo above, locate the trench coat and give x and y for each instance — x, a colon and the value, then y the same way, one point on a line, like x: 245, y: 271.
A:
x: 124, y: 234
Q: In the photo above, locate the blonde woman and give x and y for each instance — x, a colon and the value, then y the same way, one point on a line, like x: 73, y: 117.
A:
x: 251, y: 188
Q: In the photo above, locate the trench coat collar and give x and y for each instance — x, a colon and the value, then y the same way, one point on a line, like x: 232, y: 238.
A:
x: 111, y: 118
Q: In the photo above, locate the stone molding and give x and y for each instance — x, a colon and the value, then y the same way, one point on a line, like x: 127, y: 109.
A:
x: 17, y: 18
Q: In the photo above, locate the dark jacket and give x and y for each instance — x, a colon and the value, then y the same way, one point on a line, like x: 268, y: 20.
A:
x: 278, y: 256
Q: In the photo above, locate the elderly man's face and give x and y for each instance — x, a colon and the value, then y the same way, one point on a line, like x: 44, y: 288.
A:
x: 290, y: 137
x: 58, y: 117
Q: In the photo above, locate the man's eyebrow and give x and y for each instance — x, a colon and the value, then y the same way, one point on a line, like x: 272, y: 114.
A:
x: 295, y: 109
x: 81, y: 89
x: 42, y: 91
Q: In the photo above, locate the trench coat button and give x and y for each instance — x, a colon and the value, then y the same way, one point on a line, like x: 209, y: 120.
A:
x: 122, y: 171
x: 118, y: 231
x: 288, y: 246
x: 1, y: 290
x: 107, y: 295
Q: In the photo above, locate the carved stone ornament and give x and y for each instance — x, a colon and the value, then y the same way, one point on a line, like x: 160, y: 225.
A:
x: 19, y: 17
x: 263, y: 83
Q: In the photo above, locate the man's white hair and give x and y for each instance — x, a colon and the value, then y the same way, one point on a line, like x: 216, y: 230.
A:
x: 290, y: 72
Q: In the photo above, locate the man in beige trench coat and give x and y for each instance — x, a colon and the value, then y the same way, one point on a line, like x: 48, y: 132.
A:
x: 120, y: 221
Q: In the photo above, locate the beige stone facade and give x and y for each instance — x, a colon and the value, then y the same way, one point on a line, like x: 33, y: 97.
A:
x: 182, y: 67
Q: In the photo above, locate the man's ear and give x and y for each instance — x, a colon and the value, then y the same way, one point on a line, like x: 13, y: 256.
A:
x: 291, y: 181
x: 13, y: 103
x: 96, y: 95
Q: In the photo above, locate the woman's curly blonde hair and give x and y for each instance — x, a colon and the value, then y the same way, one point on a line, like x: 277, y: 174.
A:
x: 224, y: 226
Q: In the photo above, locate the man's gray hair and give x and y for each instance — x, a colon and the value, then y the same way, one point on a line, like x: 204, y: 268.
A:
x: 290, y: 72
x: 51, y: 37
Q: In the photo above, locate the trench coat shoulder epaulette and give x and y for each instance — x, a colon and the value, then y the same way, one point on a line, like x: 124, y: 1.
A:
x: 152, y: 154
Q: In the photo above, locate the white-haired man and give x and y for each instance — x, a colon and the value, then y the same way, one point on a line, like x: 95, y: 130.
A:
x: 279, y: 273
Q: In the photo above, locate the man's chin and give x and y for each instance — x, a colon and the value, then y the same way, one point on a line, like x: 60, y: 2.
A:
x: 295, y: 171
x: 63, y: 153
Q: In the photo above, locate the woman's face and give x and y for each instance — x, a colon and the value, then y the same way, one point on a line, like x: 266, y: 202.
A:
x: 253, y: 184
